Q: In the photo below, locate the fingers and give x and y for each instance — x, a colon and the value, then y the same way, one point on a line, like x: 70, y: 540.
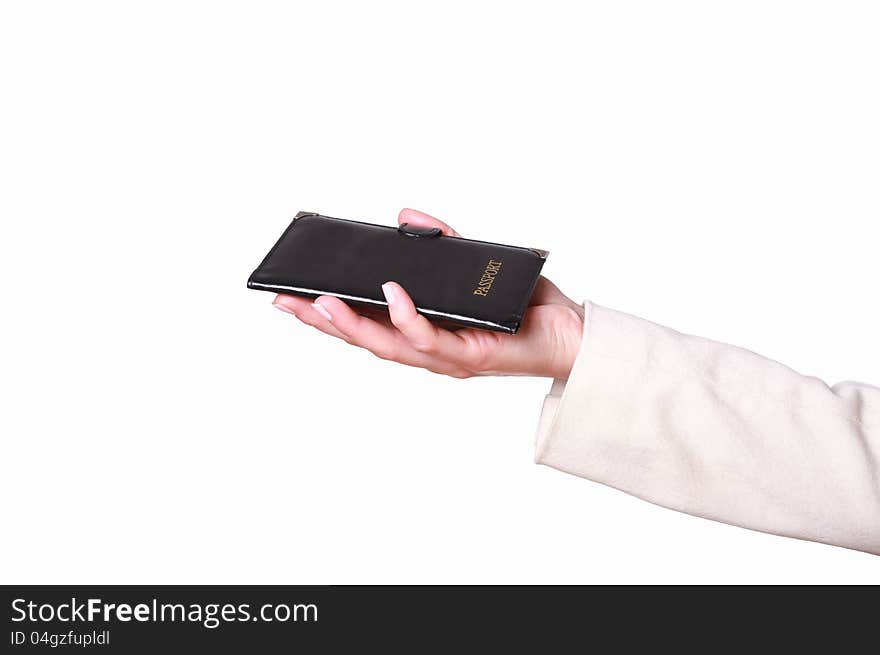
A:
x: 305, y: 311
x: 422, y: 335
x: 384, y: 341
x: 379, y: 339
x: 329, y: 314
x: 332, y: 316
x: 414, y: 217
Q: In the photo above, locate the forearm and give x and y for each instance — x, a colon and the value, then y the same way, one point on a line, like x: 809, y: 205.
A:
x: 717, y: 431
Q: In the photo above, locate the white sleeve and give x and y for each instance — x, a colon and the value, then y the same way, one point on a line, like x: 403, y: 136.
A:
x: 716, y: 431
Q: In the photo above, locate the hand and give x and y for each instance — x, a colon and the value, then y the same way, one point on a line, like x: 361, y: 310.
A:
x: 545, y: 345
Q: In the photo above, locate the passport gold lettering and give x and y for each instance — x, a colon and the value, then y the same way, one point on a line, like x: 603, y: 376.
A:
x: 488, y: 277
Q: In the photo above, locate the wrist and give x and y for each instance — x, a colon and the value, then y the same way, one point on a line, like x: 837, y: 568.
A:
x: 570, y: 336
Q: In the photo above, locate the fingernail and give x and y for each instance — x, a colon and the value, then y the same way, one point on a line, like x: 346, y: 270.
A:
x: 322, y: 310
x: 388, y: 290
x: 284, y: 308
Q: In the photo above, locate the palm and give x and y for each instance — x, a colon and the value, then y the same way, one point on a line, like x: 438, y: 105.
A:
x: 542, y: 340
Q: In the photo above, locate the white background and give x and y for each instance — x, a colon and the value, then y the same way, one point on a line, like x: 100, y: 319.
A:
x: 709, y: 166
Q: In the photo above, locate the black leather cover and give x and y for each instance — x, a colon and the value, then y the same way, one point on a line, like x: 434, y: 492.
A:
x: 453, y: 281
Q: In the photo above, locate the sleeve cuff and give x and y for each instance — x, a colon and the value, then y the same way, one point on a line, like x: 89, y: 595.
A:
x: 553, y: 399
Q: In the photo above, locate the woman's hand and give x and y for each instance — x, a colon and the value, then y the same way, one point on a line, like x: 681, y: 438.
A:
x: 545, y: 345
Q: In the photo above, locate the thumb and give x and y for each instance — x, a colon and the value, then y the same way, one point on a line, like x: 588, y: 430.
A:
x: 414, y: 217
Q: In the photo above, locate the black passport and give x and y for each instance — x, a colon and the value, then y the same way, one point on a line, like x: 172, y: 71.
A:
x: 452, y: 281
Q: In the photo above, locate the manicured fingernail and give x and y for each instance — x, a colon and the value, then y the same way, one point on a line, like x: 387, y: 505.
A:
x: 284, y: 308
x: 322, y: 310
x: 388, y: 290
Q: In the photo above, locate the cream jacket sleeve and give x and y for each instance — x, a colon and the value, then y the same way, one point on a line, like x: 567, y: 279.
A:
x: 718, y: 432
